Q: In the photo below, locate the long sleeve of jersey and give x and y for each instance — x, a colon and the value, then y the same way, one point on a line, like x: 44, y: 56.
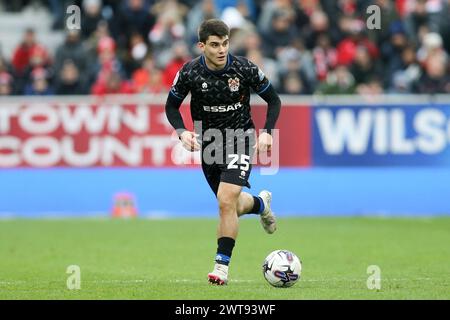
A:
x: 178, y: 92
x: 273, y: 107
x: 262, y: 86
x: 173, y: 112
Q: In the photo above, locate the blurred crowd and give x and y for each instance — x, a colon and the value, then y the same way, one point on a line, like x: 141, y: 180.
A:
x: 303, y: 46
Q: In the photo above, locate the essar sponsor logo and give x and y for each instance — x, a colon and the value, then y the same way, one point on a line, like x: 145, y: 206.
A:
x: 227, y: 108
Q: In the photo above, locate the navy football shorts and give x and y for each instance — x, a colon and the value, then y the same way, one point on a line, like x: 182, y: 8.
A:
x: 231, y: 164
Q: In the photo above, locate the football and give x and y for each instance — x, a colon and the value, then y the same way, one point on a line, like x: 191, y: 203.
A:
x: 282, y: 268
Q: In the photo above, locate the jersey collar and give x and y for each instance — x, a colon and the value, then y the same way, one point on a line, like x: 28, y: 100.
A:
x: 217, y: 72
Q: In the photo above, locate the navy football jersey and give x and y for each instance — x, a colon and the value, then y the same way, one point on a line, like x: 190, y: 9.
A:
x: 220, y: 99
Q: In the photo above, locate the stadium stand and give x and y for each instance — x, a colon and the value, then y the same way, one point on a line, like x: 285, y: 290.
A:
x: 305, y: 46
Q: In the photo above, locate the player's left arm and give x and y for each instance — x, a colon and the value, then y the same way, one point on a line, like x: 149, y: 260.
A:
x: 273, y: 111
x: 265, y: 90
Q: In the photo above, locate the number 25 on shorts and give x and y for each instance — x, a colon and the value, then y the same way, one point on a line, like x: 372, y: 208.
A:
x: 244, y: 162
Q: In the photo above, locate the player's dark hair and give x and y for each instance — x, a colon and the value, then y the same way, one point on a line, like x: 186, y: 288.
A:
x: 212, y: 27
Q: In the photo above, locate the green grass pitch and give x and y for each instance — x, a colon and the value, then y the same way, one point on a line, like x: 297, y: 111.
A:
x: 169, y: 259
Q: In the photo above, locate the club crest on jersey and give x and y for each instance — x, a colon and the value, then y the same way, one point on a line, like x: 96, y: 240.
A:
x: 233, y: 84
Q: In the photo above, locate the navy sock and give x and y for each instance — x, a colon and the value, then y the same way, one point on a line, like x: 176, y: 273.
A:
x: 258, y: 205
x: 224, y: 250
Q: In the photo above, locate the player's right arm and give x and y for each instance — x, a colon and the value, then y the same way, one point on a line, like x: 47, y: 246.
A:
x: 180, y: 89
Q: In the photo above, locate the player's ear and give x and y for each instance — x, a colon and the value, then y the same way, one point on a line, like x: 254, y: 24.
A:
x: 201, y: 45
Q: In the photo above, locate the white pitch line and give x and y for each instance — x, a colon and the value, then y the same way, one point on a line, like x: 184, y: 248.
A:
x: 201, y: 281
x: 321, y: 280
x: 16, y: 282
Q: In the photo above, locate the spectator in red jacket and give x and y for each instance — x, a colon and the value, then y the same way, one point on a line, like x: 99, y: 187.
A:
x: 106, y: 62
x: 346, y: 49
x: 149, y: 78
x: 114, y: 84
x: 21, y: 56
x: 141, y: 77
x: 180, y: 56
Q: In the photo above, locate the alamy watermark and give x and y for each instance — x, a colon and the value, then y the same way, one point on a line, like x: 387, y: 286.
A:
x: 73, y: 21
x: 374, y: 280
x: 74, y: 280
x: 374, y: 19
x: 234, y: 147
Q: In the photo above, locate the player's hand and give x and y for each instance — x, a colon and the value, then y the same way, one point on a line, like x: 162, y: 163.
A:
x: 264, y: 142
x: 189, y: 141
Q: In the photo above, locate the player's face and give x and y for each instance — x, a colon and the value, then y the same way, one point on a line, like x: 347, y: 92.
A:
x: 215, y: 51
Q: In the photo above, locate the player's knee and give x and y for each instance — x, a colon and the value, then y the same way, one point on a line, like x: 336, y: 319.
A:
x: 227, y: 205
